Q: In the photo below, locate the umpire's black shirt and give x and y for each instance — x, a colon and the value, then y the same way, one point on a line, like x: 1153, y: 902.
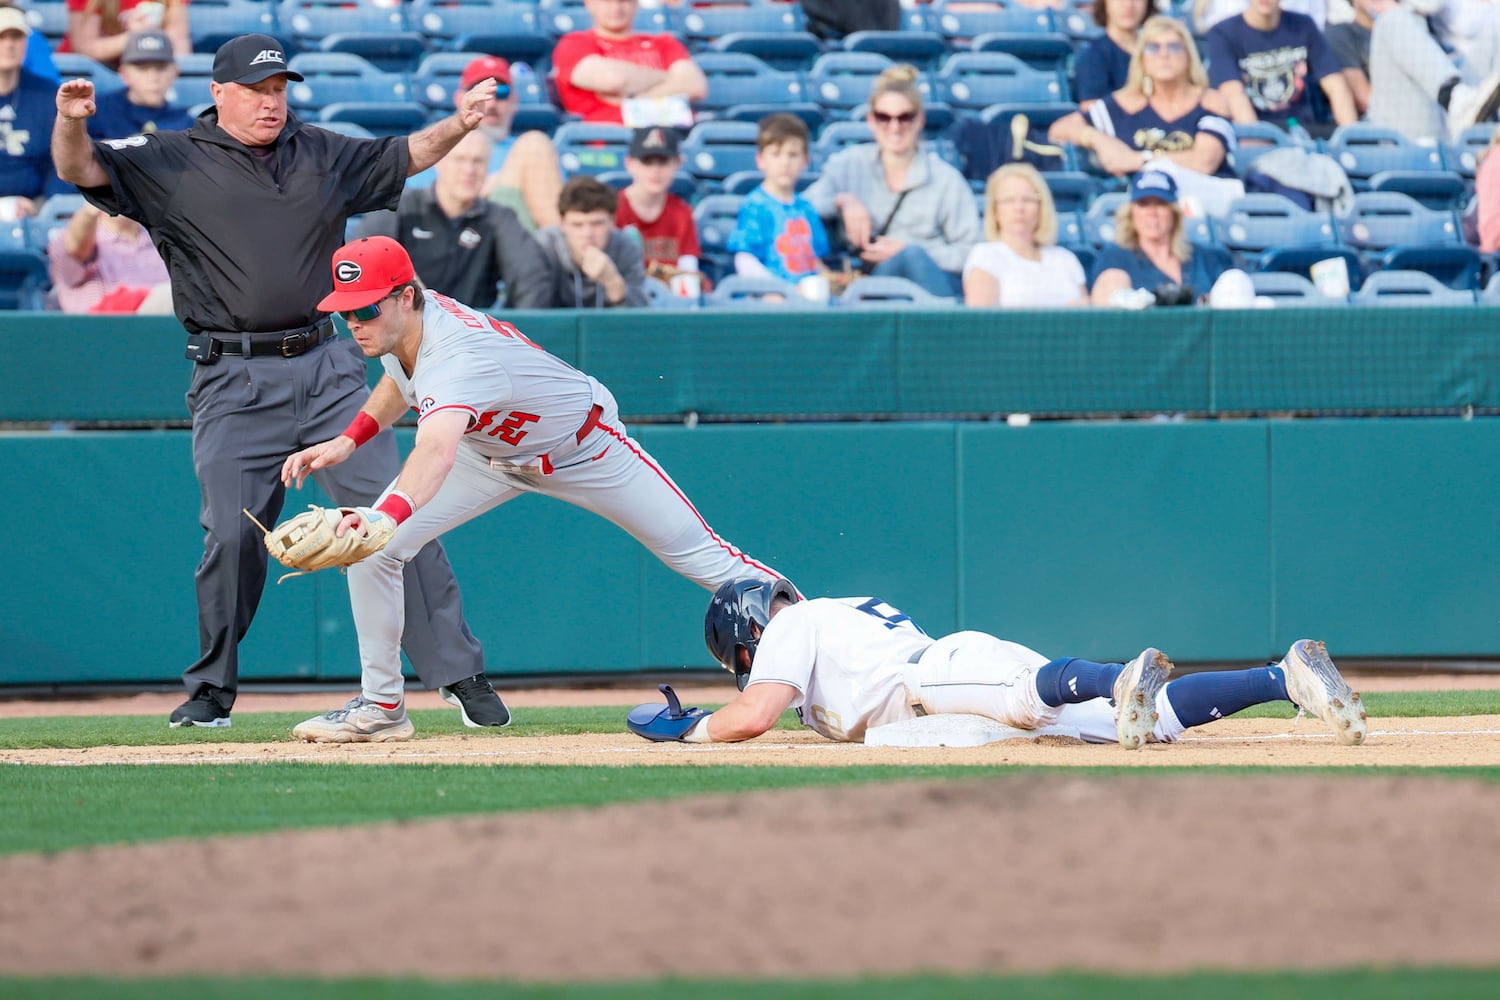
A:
x: 247, y: 238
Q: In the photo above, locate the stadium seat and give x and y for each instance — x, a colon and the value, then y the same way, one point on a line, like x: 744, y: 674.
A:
x: 1454, y: 265
x: 1364, y: 150
x: 773, y: 31
x: 923, y: 49
x: 73, y: 64
x: 738, y: 291
x: 379, y: 118
x: 715, y: 216
x: 742, y: 182
x: 1099, y: 219
x: 683, y: 186
x: 966, y: 20
x: 661, y: 296
x: 591, y: 147
x: 1040, y: 45
x: 437, y: 76
x: 23, y: 279
x: 1072, y: 191
x: 1257, y: 222
x: 195, y: 71
x: 1292, y: 290
x: 55, y: 212
x: 791, y: 51
x: 214, y: 22
x: 1299, y: 260
x: 743, y: 88
x: 1040, y: 115
x: 1464, y: 155
x: 977, y: 80
x: 1255, y: 139
x: 715, y: 149
x: 352, y: 129
x: 842, y: 81
x: 563, y: 16
x: 882, y: 291
x: 1380, y: 220
x: 1443, y: 190
x: 48, y: 18
x: 378, y: 34
x: 836, y: 136
x: 515, y: 31
x: 337, y: 77
x: 1408, y: 288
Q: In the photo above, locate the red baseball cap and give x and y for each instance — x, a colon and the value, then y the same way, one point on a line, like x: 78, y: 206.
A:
x: 482, y: 69
x: 365, y: 271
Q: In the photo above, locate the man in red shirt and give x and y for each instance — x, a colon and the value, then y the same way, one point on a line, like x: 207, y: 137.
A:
x: 599, y: 69
x: 664, y: 220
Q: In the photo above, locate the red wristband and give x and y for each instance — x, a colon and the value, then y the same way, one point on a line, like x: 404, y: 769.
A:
x: 398, y: 505
x: 361, y: 428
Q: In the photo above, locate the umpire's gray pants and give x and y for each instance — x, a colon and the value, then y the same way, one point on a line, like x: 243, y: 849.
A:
x: 249, y: 414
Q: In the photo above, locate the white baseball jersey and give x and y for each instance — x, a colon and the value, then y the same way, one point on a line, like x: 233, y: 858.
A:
x: 524, y: 404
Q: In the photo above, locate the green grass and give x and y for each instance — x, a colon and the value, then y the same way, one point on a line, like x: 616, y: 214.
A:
x: 1390, y: 984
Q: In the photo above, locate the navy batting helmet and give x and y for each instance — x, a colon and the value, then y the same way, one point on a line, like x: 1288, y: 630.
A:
x: 732, y: 609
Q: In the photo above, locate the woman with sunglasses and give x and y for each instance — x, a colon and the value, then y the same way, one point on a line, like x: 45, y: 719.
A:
x: 1165, y: 117
x: 1020, y: 266
x: 905, y: 212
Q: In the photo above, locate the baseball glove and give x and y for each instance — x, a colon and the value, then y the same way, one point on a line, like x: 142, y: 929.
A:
x: 307, y: 543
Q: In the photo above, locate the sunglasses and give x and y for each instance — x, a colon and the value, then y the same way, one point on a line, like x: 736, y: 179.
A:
x: 364, y: 313
x: 1170, y: 48
x: 905, y: 118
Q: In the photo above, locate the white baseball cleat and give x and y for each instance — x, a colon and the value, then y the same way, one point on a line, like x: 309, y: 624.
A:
x: 360, y: 721
x: 1315, y: 685
x: 1135, y: 696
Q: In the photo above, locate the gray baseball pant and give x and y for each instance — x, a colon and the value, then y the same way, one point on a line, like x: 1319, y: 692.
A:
x: 249, y: 414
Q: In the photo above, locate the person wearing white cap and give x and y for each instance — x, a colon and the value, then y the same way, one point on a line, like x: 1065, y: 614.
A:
x: 26, y: 174
x: 247, y: 206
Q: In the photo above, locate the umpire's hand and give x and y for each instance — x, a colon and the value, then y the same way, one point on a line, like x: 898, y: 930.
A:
x: 471, y: 109
x: 75, y: 99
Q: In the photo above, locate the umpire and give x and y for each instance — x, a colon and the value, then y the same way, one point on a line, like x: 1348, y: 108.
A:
x: 246, y: 207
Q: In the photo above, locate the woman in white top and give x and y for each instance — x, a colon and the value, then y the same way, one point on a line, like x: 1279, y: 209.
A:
x: 1019, y: 266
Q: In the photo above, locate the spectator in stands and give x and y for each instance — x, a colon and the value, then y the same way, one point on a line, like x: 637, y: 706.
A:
x: 27, y: 110
x: 663, y: 220
x: 1165, y: 117
x: 905, y: 212
x: 99, y: 29
x: 148, y: 68
x: 778, y: 233
x: 592, y: 264
x: 1350, y: 41
x: 1103, y: 65
x: 1414, y: 86
x: 38, y: 61
x: 459, y: 241
x: 1487, y: 193
x: 524, y: 173
x: 1020, y: 266
x: 1152, y: 259
x: 107, y: 264
x: 1264, y: 60
x: 610, y: 73
x: 1207, y: 13
x: 832, y: 19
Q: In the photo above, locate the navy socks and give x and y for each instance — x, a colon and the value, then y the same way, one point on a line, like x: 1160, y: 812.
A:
x: 1200, y: 698
x: 1070, y: 681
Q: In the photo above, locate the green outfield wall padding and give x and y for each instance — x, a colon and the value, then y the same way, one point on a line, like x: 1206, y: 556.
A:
x: 1214, y: 540
x: 887, y: 363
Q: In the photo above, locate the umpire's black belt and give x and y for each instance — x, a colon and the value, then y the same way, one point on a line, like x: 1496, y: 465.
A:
x: 279, y: 344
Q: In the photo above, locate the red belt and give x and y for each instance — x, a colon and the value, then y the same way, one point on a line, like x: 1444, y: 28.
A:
x: 593, y: 421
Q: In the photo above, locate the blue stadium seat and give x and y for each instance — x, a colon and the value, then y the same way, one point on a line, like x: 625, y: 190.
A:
x: 715, y: 149
x: 1257, y: 222
x: 338, y: 77
x: 1040, y: 113
x: 513, y: 30
x: 1443, y: 190
x: 783, y: 50
x: 1072, y: 191
x: 1291, y: 290
x: 961, y: 23
x: 379, y: 34
x: 742, y: 87
x: 55, y: 212
x: 742, y: 182
x: 683, y: 185
x: 437, y: 76
x: 738, y: 291
x: 1300, y: 260
x: 49, y: 18
x: 1255, y: 139
x: 351, y: 129
x: 1408, y: 288
x: 1364, y: 150
x: 1040, y: 46
x: 74, y: 64
x: 1454, y: 265
x: 1380, y: 220
x: 591, y: 147
x: 23, y: 279
x: 842, y: 81
x: 213, y: 22
x: 923, y: 49
x: 883, y: 291
x: 1099, y: 218
x: 839, y: 135
x: 977, y: 80
x: 379, y: 118
x: 1464, y: 155
x: 563, y: 16
x: 700, y: 22
x: 715, y: 216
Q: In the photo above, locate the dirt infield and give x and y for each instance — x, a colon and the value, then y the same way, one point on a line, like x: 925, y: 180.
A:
x: 1027, y: 872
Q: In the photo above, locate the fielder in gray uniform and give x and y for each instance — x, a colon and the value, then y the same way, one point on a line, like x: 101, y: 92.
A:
x: 497, y: 417
x: 245, y: 207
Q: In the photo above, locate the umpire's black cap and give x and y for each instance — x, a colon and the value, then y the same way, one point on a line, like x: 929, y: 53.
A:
x: 250, y: 59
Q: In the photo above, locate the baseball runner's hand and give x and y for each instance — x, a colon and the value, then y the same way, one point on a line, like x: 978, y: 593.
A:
x: 475, y: 102
x: 295, y: 470
x: 75, y: 99
x: 663, y: 723
x: 325, y: 537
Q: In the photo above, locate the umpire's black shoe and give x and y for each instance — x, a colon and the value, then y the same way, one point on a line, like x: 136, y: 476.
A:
x: 202, y: 709
x: 477, y: 702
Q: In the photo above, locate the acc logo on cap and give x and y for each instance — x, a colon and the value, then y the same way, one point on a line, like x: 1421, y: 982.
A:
x: 268, y: 55
x: 347, y: 271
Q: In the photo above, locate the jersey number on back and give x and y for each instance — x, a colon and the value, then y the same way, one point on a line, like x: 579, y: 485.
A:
x: 892, y: 617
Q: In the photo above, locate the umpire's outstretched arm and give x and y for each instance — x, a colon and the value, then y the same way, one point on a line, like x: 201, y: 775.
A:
x: 433, y: 142
x: 72, y: 149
